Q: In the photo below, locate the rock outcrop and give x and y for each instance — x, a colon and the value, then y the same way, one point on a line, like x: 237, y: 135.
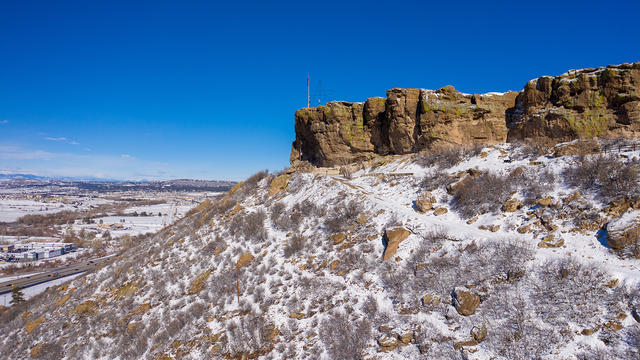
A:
x: 407, y: 121
x: 577, y: 105
x: 392, y: 239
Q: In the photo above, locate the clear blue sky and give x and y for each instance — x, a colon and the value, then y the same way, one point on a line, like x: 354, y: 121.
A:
x: 156, y: 89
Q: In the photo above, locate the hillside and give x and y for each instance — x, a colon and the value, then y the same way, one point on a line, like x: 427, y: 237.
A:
x: 499, y: 252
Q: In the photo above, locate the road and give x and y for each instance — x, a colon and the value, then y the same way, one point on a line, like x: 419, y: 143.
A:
x: 52, y: 274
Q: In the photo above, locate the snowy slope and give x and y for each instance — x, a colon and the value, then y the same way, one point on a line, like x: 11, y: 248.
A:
x: 296, y: 272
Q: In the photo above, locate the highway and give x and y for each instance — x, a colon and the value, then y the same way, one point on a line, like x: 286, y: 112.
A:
x: 51, y: 274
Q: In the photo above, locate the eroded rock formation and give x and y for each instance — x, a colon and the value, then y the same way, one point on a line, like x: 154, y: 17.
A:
x: 579, y: 104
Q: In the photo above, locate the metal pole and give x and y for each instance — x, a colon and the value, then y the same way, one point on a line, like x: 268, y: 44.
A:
x: 308, y: 96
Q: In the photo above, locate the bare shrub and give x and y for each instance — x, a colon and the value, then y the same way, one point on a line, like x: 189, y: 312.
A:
x: 438, y: 273
x: 606, y: 174
x: 441, y: 158
x: 531, y: 149
x: 342, y: 215
x: 295, y: 244
x: 307, y: 209
x: 251, y: 184
x: 566, y: 289
x: 484, y: 193
x: 344, y: 339
x: 51, y: 351
x: 518, y: 334
x: 250, y: 226
x: 346, y: 172
x: 436, y: 179
x: 296, y: 183
x: 247, y: 334
x: 533, y: 183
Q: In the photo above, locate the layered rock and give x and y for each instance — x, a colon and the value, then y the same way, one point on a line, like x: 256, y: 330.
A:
x: 407, y: 121
x: 579, y: 104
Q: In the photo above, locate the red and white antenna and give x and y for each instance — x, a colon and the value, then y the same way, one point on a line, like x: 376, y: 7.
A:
x: 308, y: 96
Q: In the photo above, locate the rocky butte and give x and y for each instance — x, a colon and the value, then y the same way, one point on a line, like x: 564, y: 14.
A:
x: 579, y: 104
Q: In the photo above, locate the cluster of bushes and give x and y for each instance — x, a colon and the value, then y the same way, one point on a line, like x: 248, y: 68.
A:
x: 249, y: 225
x: 606, y: 174
x: 342, y: 215
x: 484, y: 193
x: 441, y: 158
x: 488, y: 191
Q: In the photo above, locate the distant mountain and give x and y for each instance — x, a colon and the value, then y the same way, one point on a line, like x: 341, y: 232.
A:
x: 119, y: 185
x: 22, y: 176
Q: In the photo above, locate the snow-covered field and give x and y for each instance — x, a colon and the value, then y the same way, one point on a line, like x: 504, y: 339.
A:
x: 136, y: 225
x: 13, y: 209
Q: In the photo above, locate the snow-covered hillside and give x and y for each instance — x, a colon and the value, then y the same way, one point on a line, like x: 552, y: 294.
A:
x: 497, y: 253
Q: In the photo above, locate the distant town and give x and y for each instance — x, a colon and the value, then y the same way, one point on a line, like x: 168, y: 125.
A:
x: 47, y: 224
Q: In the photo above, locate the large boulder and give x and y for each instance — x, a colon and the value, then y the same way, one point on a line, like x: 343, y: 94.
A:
x: 465, y: 301
x: 393, y: 238
x: 624, y: 230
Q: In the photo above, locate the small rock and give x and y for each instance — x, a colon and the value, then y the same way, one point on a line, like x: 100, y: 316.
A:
x: 547, y: 201
x: 472, y: 220
x: 334, y: 264
x: 549, y: 241
x: 572, y: 197
x: 524, y: 229
x: 406, y: 338
x: 462, y: 344
x: 613, y: 325
x: 430, y: 300
x: 387, y: 343
x: 296, y: 315
x: 578, y: 147
x: 479, y: 334
x: 512, y: 205
x: 440, y: 211
x: 338, y: 238
x: 613, y: 283
x: 623, y: 231
x: 492, y: 228
x: 244, y: 260
x: 425, y: 202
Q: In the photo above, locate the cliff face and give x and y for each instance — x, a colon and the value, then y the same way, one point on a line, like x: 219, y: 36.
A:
x: 408, y: 120
x: 579, y: 104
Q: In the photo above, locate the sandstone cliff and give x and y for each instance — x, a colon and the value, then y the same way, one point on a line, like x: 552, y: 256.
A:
x: 579, y: 104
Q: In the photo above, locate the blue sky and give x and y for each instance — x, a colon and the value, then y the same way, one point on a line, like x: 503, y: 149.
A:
x: 156, y: 90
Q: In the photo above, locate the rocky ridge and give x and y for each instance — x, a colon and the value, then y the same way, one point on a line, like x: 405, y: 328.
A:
x: 579, y: 104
